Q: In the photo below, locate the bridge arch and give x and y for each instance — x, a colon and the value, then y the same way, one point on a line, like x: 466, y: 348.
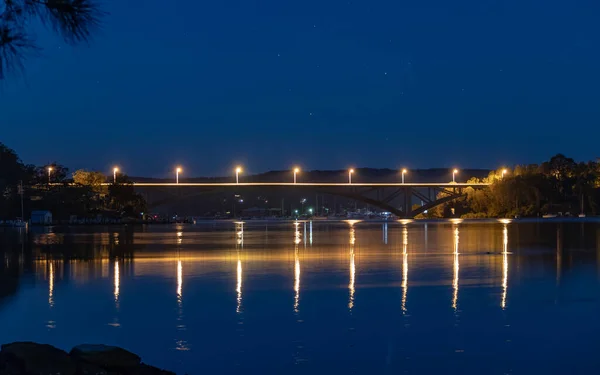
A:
x: 359, y: 193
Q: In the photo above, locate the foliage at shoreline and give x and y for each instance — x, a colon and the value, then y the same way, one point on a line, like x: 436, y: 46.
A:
x: 558, y: 186
x: 79, y: 194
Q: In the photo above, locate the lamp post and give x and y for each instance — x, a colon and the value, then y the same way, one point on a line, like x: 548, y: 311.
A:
x: 49, y: 173
x: 238, y: 170
x: 177, y: 171
x: 454, y: 172
x: 504, y: 171
x: 115, y: 170
x: 350, y: 176
x: 296, y: 170
x: 403, y: 173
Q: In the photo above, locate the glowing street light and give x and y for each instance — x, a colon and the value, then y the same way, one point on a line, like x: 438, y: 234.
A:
x: 50, y: 169
x: 504, y: 171
x: 177, y: 172
x: 403, y: 173
x: 350, y: 175
x: 238, y: 170
x: 296, y: 170
x: 454, y: 172
x: 115, y: 170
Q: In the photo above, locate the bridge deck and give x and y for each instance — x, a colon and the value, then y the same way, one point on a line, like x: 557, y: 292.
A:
x: 311, y: 184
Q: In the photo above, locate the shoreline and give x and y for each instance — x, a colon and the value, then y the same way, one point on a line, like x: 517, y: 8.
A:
x: 592, y: 219
x: 27, y: 357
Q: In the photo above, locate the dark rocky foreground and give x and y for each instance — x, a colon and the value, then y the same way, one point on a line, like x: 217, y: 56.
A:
x: 29, y: 358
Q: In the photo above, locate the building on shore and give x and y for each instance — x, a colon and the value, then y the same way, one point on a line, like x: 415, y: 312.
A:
x: 41, y: 217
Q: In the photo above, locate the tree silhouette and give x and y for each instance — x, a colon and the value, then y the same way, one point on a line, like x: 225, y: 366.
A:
x: 73, y: 20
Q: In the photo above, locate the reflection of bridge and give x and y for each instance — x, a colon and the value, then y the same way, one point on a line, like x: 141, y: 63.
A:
x: 352, y: 264
x: 56, y: 267
x: 239, y: 230
x: 236, y: 258
x: 380, y: 195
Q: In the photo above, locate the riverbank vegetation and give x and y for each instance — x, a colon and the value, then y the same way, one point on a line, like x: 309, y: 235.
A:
x: 52, y: 188
x: 559, y: 186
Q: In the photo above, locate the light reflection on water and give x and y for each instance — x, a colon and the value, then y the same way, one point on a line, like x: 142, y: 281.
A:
x: 504, y: 265
x: 404, y: 267
x: 297, y: 266
x: 51, y: 285
x: 456, y: 269
x: 117, y: 283
x: 352, y: 266
x: 180, y: 293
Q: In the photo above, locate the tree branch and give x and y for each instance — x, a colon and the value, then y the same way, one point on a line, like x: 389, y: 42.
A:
x: 73, y: 20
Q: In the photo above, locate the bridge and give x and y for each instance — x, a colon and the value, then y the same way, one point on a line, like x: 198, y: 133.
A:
x: 380, y: 195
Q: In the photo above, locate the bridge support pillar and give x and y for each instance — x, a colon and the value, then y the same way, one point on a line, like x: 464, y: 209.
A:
x: 407, y: 209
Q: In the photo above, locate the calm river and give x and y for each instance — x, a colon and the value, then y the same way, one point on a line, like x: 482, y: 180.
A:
x: 313, y: 298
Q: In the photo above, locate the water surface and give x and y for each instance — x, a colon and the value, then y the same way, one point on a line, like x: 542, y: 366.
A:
x: 318, y: 298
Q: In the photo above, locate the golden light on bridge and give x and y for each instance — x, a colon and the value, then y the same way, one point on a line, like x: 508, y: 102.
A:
x: 454, y: 173
x: 403, y: 173
x: 296, y: 171
x: 238, y: 170
x: 178, y: 170
x: 50, y: 169
x: 350, y: 172
x: 115, y: 171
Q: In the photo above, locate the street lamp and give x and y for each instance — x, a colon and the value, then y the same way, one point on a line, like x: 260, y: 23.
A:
x: 296, y: 170
x: 350, y: 175
x: 177, y: 172
x: 403, y: 173
x: 504, y: 171
x: 454, y: 172
x: 49, y: 173
x: 238, y: 170
x: 115, y: 170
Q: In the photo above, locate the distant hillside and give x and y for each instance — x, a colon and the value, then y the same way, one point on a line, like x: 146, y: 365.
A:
x: 360, y: 175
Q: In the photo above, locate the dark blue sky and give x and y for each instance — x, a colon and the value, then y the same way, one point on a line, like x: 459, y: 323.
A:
x: 324, y: 84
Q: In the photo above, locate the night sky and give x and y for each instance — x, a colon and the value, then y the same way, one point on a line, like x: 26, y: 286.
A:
x: 323, y: 84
